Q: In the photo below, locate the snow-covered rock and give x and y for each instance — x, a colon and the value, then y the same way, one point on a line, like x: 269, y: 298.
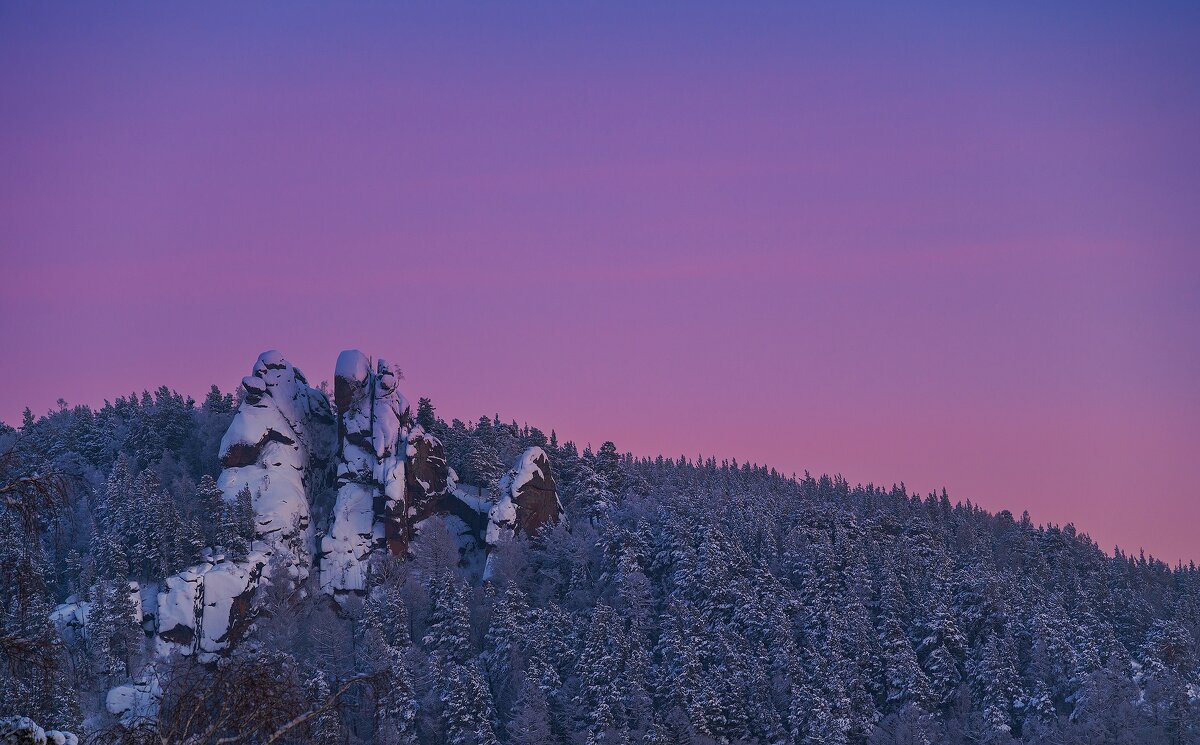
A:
x: 428, y: 477
x: 528, y: 499
x: 281, y: 436
x: 70, y: 618
x: 207, y: 608
x: 135, y: 701
x: 25, y: 731
x: 281, y: 440
x: 371, y: 513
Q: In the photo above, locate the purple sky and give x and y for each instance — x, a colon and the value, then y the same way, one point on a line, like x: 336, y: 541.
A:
x: 949, y: 246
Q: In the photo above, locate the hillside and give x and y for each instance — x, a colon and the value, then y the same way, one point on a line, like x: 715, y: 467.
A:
x: 344, y: 566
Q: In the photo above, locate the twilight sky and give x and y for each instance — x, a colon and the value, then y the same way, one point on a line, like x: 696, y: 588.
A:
x: 951, y: 246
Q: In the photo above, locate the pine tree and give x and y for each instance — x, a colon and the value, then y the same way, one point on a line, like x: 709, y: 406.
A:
x: 941, y: 653
x: 447, y: 638
x: 385, y: 624
x: 115, y: 506
x: 210, y: 506
x: 237, y: 525
x: 426, y: 416
x: 34, y: 673
x: 244, y: 514
x: 607, y: 464
x: 906, y: 682
x: 503, y: 656
x: 996, y: 678
x: 593, y: 493
x: 146, y: 531
x: 600, y: 668
x: 530, y: 723
x: 217, y: 403
x: 167, y: 535
x: 326, y: 727
x: 482, y: 465
x: 467, y: 707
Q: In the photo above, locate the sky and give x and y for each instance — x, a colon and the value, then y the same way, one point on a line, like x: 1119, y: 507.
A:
x: 946, y: 244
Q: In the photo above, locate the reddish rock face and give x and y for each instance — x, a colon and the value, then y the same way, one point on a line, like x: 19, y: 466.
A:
x: 242, y: 611
x: 536, y: 499
x: 246, y: 454
x: 528, y: 501
x: 427, y: 475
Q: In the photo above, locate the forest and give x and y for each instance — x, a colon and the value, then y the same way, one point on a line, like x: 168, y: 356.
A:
x: 680, y: 599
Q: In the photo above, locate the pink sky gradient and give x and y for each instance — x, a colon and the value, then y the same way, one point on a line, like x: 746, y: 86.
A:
x: 951, y: 247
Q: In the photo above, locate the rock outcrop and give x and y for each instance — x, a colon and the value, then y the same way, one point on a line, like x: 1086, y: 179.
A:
x: 427, y: 479
x: 528, y: 500
x: 208, y: 608
x: 370, y: 514
x: 391, y: 477
x: 280, y: 440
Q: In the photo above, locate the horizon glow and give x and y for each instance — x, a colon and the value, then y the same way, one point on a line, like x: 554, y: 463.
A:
x: 947, y: 246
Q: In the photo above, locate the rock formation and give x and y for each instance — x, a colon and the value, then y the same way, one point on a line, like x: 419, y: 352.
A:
x: 427, y: 478
x: 280, y: 439
x: 391, y: 476
x: 278, y: 444
x: 374, y: 421
x: 528, y: 500
x: 208, y: 608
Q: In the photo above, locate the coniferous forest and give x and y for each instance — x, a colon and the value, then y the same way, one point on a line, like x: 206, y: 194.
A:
x: 682, y: 599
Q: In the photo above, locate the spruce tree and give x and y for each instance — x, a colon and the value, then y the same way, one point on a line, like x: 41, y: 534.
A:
x: 210, y: 506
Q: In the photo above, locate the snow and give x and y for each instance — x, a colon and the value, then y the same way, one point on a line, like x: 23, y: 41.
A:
x: 281, y: 418
x: 72, y: 614
x: 135, y: 600
x: 147, y: 602
x: 134, y: 701
x: 26, y: 731
x: 522, y: 471
x: 375, y: 420
x: 350, y: 537
x: 352, y: 365
x: 21, y: 729
x: 474, y: 497
x: 177, y: 602
x: 70, y: 618
x: 502, y: 518
x: 254, y: 385
x: 201, y: 599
